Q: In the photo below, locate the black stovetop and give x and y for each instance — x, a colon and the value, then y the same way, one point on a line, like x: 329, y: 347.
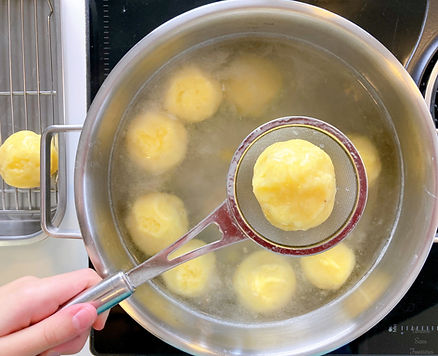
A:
x: 116, y: 25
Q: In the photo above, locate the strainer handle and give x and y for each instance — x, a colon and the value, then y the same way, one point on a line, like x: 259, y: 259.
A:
x: 160, y: 262
x: 46, y: 222
x: 106, y: 294
x: 115, y: 288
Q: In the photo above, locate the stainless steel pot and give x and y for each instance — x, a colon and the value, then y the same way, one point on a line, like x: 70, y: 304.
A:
x: 343, y: 319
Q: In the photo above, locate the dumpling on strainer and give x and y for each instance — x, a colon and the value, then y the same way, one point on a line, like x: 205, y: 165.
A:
x: 20, y: 159
x: 294, y: 183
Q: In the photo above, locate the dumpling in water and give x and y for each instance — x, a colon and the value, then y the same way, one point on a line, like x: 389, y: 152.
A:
x: 367, y: 294
x: 156, y: 141
x: 264, y: 282
x: 370, y: 156
x: 192, y: 278
x: 329, y: 269
x: 252, y: 84
x: 193, y: 95
x: 156, y: 220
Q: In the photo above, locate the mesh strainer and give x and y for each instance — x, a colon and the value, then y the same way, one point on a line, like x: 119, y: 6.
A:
x: 240, y: 217
x: 351, y: 184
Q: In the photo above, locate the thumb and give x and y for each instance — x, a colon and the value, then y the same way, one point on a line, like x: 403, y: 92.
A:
x: 64, y: 325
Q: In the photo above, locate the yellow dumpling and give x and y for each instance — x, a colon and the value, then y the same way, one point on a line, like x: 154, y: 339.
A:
x: 370, y: 156
x: 20, y: 159
x: 252, y: 83
x: 156, y: 141
x: 264, y: 282
x: 193, y: 95
x: 367, y: 294
x: 191, y: 279
x: 329, y: 269
x: 156, y: 220
x: 294, y: 183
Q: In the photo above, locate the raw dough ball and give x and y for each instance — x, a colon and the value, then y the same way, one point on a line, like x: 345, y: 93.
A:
x: 264, y: 282
x: 155, y: 221
x: 20, y: 159
x: 294, y: 183
x: 193, y: 95
x: 191, y: 279
x: 329, y: 269
x: 370, y: 156
x: 156, y: 141
x: 252, y: 84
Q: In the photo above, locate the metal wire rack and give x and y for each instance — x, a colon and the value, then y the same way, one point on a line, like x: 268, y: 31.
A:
x: 30, y: 99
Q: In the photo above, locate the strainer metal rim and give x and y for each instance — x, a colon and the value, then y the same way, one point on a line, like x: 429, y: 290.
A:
x: 343, y: 141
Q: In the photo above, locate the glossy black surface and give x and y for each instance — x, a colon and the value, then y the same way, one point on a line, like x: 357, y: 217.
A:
x: 116, y: 25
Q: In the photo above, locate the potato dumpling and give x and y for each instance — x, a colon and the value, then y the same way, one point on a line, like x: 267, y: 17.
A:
x: 156, y: 141
x: 192, y: 95
x: 264, y: 282
x: 329, y: 269
x: 370, y: 156
x: 367, y: 294
x: 252, y: 83
x: 156, y: 220
x: 190, y: 279
x: 20, y: 159
x: 294, y: 183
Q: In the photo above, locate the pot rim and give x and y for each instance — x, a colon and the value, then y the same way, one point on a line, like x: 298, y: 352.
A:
x: 231, y: 5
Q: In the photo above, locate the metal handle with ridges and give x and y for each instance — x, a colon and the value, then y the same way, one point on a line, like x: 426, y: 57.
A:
x: 109, y: 292
x: 46, y: 223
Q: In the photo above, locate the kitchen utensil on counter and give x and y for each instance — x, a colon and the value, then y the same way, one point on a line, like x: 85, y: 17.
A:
x: 237, y: 221
x: 31, y: 92
x: 401, y: 257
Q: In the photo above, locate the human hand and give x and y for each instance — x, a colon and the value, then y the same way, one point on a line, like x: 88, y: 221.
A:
x: 32, y: 321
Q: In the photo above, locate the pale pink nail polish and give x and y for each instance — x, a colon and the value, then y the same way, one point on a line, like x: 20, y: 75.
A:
x: 53, y: 353
x: 84, y: 318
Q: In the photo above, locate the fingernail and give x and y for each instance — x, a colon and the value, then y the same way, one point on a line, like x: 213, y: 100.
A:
x: 53, y: 353
x: 84, y: 318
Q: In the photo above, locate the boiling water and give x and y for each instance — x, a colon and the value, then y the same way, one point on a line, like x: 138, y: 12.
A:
x: 316, y: 84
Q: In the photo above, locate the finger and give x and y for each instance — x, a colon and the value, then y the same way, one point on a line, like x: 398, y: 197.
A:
x: 29, y: 300
x: 101, y: 320
x: 70, y: 347
x: 67, y: 285
x: 58, y: 329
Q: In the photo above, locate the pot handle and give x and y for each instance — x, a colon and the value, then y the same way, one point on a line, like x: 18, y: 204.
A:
x: 46, y: 222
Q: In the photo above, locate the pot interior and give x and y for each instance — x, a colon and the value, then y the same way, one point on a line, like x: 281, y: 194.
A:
x: 315, y: 83
x: 329, y: 70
